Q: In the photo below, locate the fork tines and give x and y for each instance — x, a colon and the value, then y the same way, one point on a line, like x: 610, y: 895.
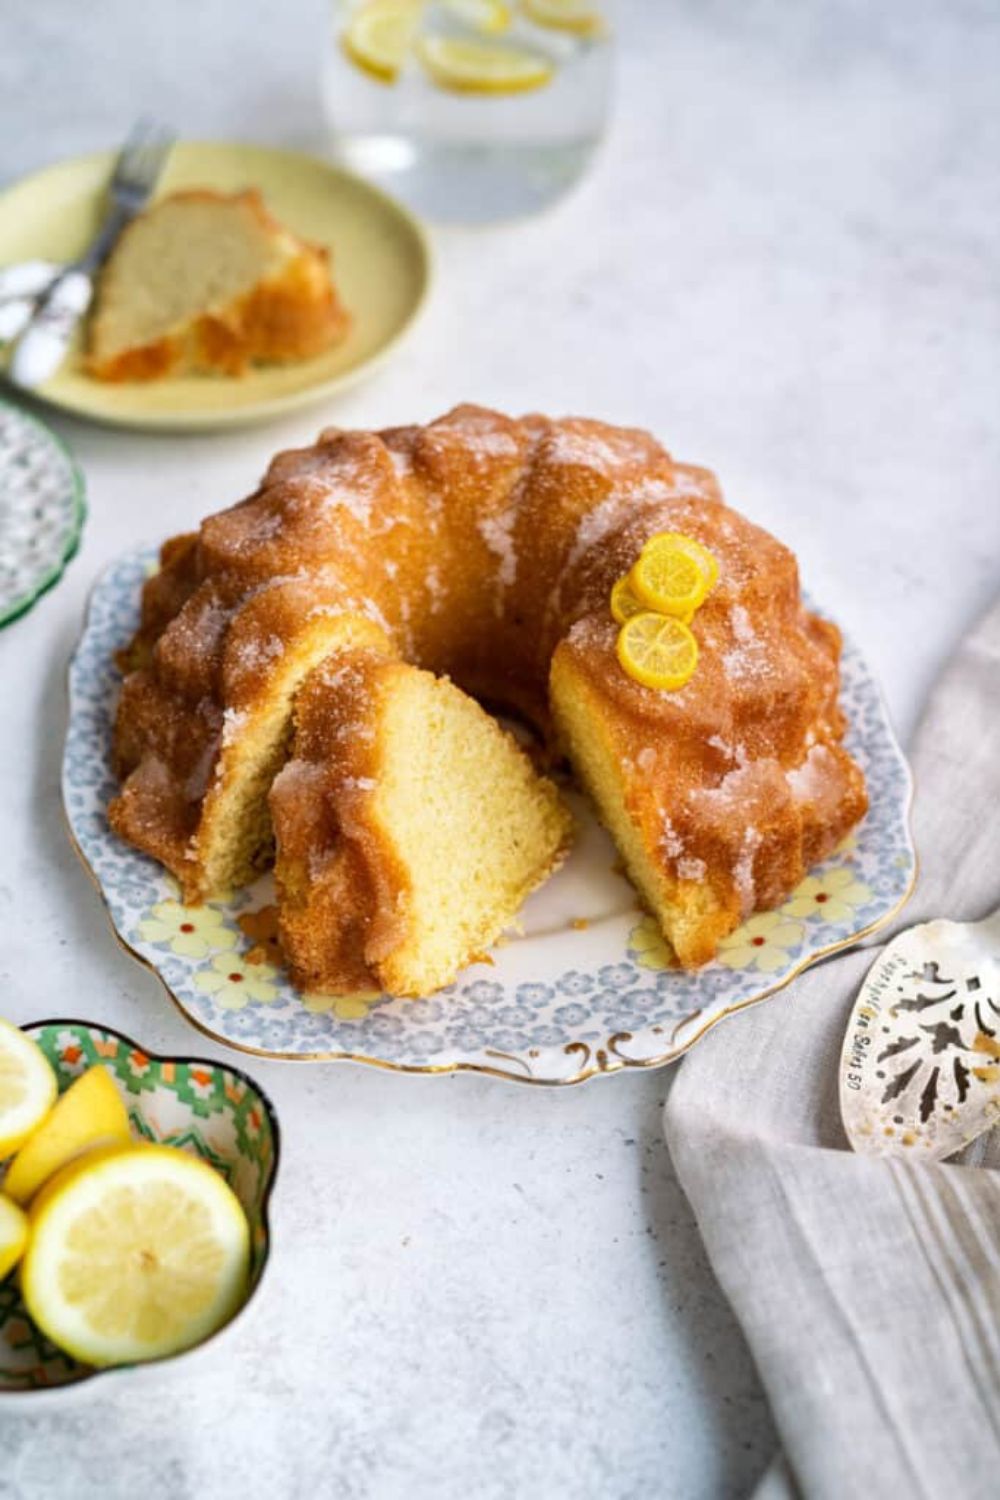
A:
x: 141, y: 159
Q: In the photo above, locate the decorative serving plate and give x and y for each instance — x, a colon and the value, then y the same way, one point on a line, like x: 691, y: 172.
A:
x: 584, y: 987
x: 41, y: 510
x: 212, y: 1110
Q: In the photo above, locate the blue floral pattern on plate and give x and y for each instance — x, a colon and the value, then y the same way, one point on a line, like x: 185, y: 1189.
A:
x: 585, y: 988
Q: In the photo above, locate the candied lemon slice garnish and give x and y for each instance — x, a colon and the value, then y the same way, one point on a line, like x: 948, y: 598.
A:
x: 657, y: 650
x: 134, y: 1252
x: 625, y: 602
x: 565, y: 15
x: 13, y: 1235
x: 705, y: 559
x: 488, y: 17
x: 381, y: 34
x: 27, y: 1088
x: 481, y: 67
x: 674, y: 574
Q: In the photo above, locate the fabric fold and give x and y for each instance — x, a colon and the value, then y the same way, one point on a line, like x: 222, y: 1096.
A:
x: 868, y: 1289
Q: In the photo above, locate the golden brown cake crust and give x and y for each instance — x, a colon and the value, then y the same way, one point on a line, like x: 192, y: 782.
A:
x: 346, y: 907
x: 485, y: 548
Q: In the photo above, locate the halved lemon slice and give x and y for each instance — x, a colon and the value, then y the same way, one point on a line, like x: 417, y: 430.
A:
x: 564, y: 15
x: 625, y: 602
x: 658, y: 651
x: 488, y: 17
x: 135, y: 1252
x: 380, y: 36
x: 13, y: 1235
x: 27, y: 1088
x: 90, y: 1113
x: 674, y: 574
x: 481, y: 67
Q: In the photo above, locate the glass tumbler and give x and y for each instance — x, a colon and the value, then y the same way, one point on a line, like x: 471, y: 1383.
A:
x: 469, y: 110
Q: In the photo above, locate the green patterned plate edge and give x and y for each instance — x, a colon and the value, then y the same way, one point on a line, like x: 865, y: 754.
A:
x: 71, y: 545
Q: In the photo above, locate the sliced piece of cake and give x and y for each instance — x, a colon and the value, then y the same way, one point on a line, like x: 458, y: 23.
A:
x: 210, y: 283
x: 409, y: 825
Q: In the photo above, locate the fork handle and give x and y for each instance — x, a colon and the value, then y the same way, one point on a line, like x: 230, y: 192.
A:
x: 28, y: 278
x: 43, y: 347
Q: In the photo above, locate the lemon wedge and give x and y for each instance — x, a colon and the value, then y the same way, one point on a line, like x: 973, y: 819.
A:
x: 482, y: 67
x: 135, y: 1252
x: 657, y: 650
x: 27, y: 1088
x: 89, y: 1113
x: 674, y: 574
x: 13, y: 1235
x: 565, y: 15
x: 488, y: 17
x: 380, y: 36
x: 625, y: 602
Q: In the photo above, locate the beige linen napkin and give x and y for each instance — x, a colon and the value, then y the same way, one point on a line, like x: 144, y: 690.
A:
x: 869, y: 1290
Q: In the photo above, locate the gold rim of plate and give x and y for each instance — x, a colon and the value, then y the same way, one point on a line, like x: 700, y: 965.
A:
x: 381, y: 263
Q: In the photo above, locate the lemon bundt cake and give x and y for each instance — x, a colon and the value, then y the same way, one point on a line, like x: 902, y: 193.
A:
x: 409, y: 829
x: 485, y: 549
x: 208, y: 282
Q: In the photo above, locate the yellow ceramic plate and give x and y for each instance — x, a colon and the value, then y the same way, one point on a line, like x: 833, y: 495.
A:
x: 381, y: 267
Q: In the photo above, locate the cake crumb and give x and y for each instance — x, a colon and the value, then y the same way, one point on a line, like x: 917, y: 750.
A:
x: 261, y: 927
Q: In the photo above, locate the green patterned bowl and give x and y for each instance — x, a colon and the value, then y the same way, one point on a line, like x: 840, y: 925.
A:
x: 212, y: 1110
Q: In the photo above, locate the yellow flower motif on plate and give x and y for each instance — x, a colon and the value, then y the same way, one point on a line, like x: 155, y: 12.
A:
x: 649, y: 947
x: 831, y: 897
x: 763, y: 942
x: 232, y: 983
x: 191, y: 931
x: 344, y: 1007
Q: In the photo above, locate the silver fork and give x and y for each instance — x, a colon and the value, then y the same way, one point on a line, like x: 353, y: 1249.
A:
x: 53, y: 318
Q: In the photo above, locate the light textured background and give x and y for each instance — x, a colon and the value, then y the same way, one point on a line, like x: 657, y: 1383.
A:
x: 785, y: 262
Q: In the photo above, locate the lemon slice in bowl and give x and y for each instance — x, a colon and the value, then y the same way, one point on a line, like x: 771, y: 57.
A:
x: 380, y: 35
x: 136, y: 1252
x: 27, y: 1088
x: 482, y: 67
x: 657, y: 650
x: 90, y: 1112
x: 13, y: 1235
x: 565, y: 15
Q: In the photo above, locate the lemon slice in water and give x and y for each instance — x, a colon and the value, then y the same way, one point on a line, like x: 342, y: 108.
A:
x: 482, y: 67
x: 565, y: 15
x: 380, y: 36
x: 135, y: 1252
x: 488, y: 17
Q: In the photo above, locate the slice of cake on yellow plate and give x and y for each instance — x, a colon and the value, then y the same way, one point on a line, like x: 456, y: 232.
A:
x: 206, y: 282
x: 409, y: 826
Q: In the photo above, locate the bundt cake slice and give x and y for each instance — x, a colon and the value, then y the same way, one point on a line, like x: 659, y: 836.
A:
x: 409, y: 829
x: 197, y: 774
x: 208, y: 282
